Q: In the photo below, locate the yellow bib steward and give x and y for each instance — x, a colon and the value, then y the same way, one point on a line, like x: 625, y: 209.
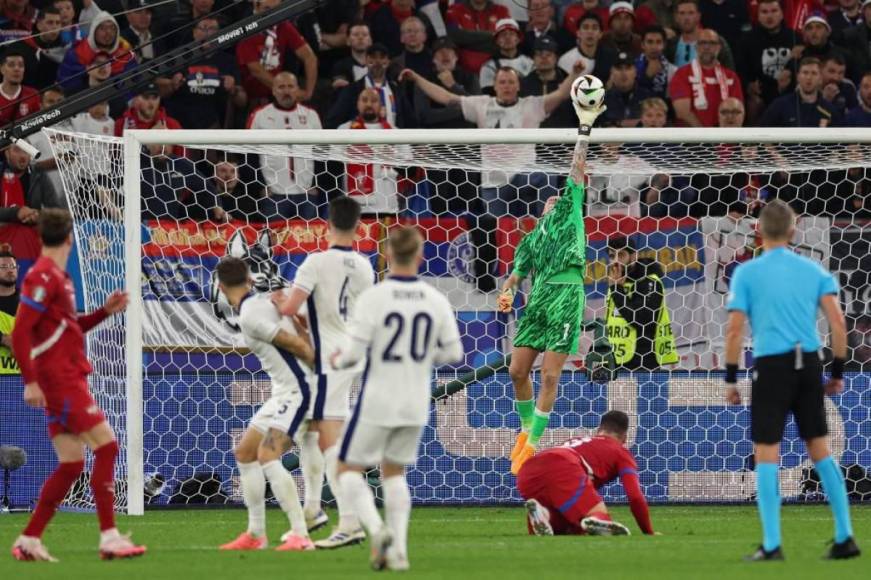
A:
x: 8, y: 364
x: 624, y: 337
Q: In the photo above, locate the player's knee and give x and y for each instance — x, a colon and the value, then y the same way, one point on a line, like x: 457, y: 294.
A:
x: 244, y: 455
x: 550, y: 378
x: 72, y: 469
x: 109, y: 449
x: 517, y: 374
x: 265, y: 455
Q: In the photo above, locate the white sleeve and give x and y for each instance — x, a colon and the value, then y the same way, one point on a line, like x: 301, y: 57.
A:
x: 449, y: 343
x: 567, y: 61
x: 488, y: 74
x: 360, y: 333
x: 367, y: 275
x: 474, y: 109
x: 306, y: 278
x: 260, y: 320
x: 535, y: 107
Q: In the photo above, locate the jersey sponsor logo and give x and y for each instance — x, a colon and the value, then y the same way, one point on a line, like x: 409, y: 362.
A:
x: 461, y: 256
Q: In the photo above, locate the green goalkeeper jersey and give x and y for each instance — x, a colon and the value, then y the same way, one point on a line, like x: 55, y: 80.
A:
x: 561, y: 243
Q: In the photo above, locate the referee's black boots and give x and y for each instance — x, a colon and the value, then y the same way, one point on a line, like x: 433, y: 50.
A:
x: 844, y: 550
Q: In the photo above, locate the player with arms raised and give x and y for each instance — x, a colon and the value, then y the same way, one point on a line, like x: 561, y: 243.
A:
x: 406, y: 326
x: 551, y: 322
x: 280, y: 347
x: 560, y: 484
x: 330, y: 283
x: 49, y: 344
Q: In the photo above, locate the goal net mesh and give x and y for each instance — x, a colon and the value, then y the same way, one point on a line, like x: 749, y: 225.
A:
x: 690, y: 208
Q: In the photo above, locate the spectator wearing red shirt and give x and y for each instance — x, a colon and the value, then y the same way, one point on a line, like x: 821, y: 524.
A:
x: 103, y: 36
x: 24, y: 191
x: 574, y: 13
x: 698, y: 88
x: 471, y: 24
x: 145, y: 113
x: 16, y: 100
x: 17, y: 19
x: 263, y: 55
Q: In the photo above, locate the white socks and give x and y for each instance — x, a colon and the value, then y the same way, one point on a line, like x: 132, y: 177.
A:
x: 311, y: 461
x: 348, y: 521
x: 359, y: 496
x: 254, y: 493
x: 284, y: 488
x: 397, y: 509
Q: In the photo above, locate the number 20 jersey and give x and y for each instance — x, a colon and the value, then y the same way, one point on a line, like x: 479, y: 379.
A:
x: 334, y: 280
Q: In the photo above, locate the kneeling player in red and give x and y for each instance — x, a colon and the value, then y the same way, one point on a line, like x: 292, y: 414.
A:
x: 560, y: 484
x: 49, y: 344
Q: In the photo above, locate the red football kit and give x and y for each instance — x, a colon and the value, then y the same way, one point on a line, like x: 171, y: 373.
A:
x: 565, y: 481
x: 49, y: 344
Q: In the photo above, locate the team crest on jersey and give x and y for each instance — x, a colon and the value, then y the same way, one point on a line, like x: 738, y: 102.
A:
x: 461, y: 258
x: 264, y: 272
x: 23, y: 109
x: 38, y: 294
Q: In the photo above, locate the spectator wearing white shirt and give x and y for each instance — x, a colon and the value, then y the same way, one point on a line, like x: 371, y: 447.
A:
x: 596, y: 58
x: 507, y: 39
x: 289, y: 180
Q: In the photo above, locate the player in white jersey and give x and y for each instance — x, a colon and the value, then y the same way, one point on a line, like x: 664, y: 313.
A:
x: 283, y: 350
x: 329, y: 283
x: 406, y: 326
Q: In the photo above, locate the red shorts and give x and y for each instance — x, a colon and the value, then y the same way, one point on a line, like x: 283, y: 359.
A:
x: 559, y: 483
x: 74, y: 411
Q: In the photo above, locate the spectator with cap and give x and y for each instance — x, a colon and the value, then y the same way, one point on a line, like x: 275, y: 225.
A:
x: 681, y: 49
x: 103, y: 36
x: 574, y: 13
x: 99, y: 72
x: 507, y: 40
x: 860, y: 115
x: 653, y: 71
x: 145, y: 112
x: 805, y: 107
x: 654, y: 113
x: 387, y: 21
x: 699, y: 87
x: 24, y: 191
x: 542, y: 23
x: 395, y: 106
x: 731, y: 113
x: 44, y: 51
x: 847, y: 15
x: 545, y: 78
x: 596, y: 58
x: 816, y: 43
x: 623, y: 97
x: 352, y: 68
x: 857, y: 40
x: 471, y: 24
x: 837, y: 89
x: 620, y: 35
x: 728, y: 17
x: 415, y: 55
x: 450, y: 77
x: 138, y: 32
x: 16, y: 99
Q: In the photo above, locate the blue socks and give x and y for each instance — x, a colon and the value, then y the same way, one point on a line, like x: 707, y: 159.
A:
x: 768, y: 502
x: 833, y: 484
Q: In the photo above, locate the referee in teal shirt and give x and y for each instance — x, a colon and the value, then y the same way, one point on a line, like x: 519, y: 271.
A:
x: 780, y: 293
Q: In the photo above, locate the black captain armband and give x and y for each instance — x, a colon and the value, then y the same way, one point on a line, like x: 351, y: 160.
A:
x: 584, y: 131
x: 838, y: 368
x: 731, y: 374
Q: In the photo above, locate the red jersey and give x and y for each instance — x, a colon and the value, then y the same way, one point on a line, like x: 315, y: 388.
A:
x: 21, y: 104
x: 48, y: 339
x: 684, y: 85
x: 269, y: 49
x: 462, y: 16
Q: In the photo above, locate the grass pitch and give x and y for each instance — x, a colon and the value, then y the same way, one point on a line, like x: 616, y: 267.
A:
x: 698, y: 543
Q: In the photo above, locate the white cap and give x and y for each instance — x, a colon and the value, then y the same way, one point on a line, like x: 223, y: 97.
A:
x: 506, y: 24
x: 817, y: 18
x: 621, y: 7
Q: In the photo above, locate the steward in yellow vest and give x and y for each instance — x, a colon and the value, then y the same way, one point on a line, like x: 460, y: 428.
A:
x: 637, y: 322
x: 8, y: 308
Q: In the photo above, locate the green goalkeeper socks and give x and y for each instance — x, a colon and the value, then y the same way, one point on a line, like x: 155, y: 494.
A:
x: 525, y: 409
x: 540, y: 420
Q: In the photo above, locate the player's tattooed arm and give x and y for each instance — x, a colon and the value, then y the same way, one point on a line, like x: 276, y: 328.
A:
x: 579, y: 161
x: 298, y: 346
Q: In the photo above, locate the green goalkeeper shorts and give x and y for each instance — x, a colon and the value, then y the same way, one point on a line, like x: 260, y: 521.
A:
x: 552, y: 319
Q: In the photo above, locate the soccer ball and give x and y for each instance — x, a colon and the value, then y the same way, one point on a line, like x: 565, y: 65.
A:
x: 588, y: 91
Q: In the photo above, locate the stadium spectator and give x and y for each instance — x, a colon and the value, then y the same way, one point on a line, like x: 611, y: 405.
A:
x: 656, y: 13
x: 542, y: 23
x: 805, y: 107
x: 289, y: 180
x: 172, y: 188
x: 376, y: 187
x: 386, y: 23
x: 17, y: 19
x: 596, y: 58
x: 654, y: 113
x: 8, y: 307
x: 103, y: 37
x: 620, y: 36
x: 847, y: 15
x: 860, y: 115
x: 397, y: 110
x: 507, y: 40
x: 325, y: 28
x: 95, y: 120
x: 470, y: 25
x: 574, y: 13
x: 731, y: 113
x: 203, y: 95
x: 623, y: 98
x: 138, y: 32
x: 764, y: 52
x: 415, y: 55
x: 837, y: 89
x: 505, y: 191
x: 263, y: 55
x: 100, y: 71
x: 681, y: 49
x: 25, y: 190
x: 353, y: 67
x: 145, y: 112
x: 450, y: 77
x: 185, y: 18
x: 698, y: 88
x: 816, y: 43
x: 49, y: 98
x: 240, y: 200
x: 71, y: 32
x: 728, y: 17
x: 654, y: 71
x: 44, y: 51
x: 545, y: 78
x: 858, y: 41
x: 16, y: 99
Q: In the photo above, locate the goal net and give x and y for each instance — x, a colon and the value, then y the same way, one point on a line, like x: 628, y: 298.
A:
x: 155, y: 211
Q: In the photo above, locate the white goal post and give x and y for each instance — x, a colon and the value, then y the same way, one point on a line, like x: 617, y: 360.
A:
x: 686, y: 468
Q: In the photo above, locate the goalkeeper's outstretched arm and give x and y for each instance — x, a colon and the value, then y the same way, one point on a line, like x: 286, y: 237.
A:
x: 586, y: 117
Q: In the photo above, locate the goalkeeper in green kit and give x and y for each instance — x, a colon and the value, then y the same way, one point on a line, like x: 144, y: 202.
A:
x: 554, y: 252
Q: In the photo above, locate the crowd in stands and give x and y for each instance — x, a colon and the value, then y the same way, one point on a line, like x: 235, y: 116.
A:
x: 383, y: 64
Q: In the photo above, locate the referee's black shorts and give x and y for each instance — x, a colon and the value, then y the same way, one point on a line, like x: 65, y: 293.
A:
x: 780, y: 388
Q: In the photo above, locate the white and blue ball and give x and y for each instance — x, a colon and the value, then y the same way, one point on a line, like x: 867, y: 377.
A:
x: 588, y: 92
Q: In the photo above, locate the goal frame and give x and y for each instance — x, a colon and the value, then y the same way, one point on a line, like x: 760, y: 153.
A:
x: 135, y: 139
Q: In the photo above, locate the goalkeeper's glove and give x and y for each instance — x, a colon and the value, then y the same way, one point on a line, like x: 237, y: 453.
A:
x: 587, y: 117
